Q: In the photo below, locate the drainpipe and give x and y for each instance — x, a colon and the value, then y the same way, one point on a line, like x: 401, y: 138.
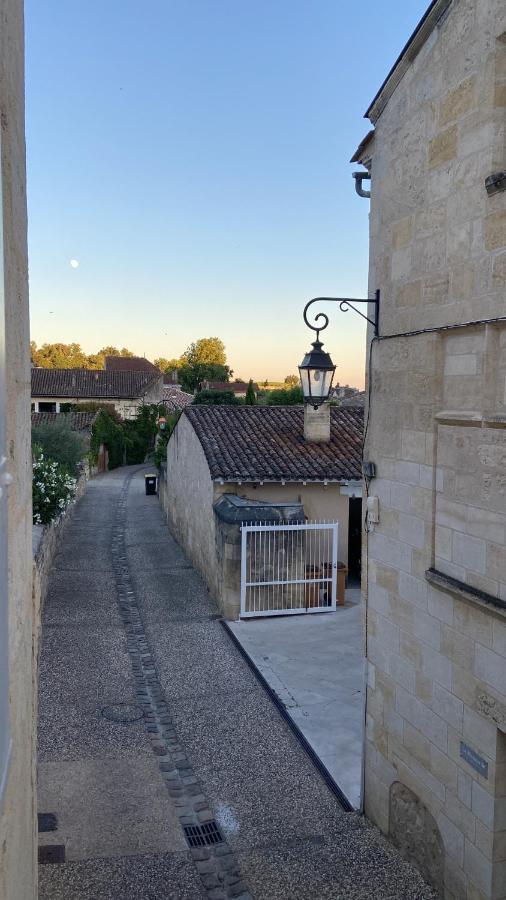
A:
x: 359, y: 178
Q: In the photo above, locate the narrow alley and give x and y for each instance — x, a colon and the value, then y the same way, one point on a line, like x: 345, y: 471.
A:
x: 151, y: 722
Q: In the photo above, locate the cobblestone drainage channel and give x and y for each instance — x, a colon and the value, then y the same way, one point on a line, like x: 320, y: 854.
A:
x: 214, y: 860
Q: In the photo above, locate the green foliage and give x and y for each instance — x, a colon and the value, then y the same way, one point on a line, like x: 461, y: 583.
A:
x: 192, y: 377
x: 206, y: 351
x: 250, y: 399
x: 126, y: 440
x: 60, y: 444
x: 167, y: 365
x: 285, y: 397
x: 52, y: 488
x: 219, y: 398
x: 108, y: 430
x: 72, y: 356
x: 204, y: 360
x: 291, y: 380
x: 160, y: 454
x: 140, y: 432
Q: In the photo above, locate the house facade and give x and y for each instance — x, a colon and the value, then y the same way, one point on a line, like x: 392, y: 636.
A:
x: 18, y: 609
x: 259, y: 454
x: 127, y: 390
x: 435, y: 580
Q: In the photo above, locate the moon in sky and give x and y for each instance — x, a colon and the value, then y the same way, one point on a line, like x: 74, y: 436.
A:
x: 74, y: 263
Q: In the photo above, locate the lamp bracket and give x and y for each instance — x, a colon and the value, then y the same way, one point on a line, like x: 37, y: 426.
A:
x: 345, y: 303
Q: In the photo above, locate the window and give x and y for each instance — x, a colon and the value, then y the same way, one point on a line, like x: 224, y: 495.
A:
x: 4, y: 673
x: 47, y: 407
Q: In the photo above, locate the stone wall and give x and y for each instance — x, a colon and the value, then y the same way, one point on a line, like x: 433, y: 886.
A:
x: 45, y: 540
x: 187, y: 497
x: 435, y: 579
x: 18, y: 835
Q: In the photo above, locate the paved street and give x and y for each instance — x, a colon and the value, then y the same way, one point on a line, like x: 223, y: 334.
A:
x: 150, y: 721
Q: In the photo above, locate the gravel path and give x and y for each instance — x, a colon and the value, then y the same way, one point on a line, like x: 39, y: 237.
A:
x: 130, y: 632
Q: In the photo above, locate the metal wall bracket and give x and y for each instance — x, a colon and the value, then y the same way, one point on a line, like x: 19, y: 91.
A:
x: 345, y: 303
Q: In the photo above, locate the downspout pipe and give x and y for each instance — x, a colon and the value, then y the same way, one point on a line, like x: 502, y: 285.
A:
x: 359, y: 178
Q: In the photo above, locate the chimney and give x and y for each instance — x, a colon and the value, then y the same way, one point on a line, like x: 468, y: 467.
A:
x: 317, y: 423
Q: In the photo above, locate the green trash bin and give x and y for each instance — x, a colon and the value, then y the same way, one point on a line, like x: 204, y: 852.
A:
x: 150, y: 483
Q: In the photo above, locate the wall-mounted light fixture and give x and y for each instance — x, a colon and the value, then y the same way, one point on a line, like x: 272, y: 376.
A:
x: 317, y: 369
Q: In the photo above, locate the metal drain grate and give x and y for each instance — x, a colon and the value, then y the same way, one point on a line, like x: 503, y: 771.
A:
x: 203, y: 835
x: 47, y: 822
x: 212, y: 833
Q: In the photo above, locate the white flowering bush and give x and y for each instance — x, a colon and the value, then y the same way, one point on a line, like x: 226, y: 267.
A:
x: 53, y: 488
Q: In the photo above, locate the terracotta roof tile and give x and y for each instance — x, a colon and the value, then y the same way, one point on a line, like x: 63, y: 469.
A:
x: 129, y: 364
x: 266, y: 443
x: 91, y: 384
x: 175, y: 399
x: 79, y: 421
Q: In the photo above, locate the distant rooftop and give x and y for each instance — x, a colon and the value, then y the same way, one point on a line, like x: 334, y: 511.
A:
x: 174, y: 398
x: 79, y: 421
x: 90, y: 384
x: 129, y: 364
x: 266, y: 443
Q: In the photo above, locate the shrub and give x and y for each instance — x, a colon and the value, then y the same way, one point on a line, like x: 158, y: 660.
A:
x: 220, y: 398
x: 163, y: 438
x: 59, y: 443
x: 107, y: 430
x: 285, y: 397
x: 52, y: 488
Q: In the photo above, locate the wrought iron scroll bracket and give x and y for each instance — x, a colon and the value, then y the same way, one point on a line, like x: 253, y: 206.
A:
x: 345, y: 303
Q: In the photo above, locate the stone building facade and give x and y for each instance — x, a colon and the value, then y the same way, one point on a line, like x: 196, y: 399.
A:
x: 18, y: 834
x: 435, y: 582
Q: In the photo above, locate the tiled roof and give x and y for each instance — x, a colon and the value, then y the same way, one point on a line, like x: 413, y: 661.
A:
x: 356, y: 400
x: 266, y: 443
x: 175, y: 399
x: 79, y: 421
x: 91, y: 384
x: 129, y: 364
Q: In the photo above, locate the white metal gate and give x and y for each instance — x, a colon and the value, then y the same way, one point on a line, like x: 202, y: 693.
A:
x: 288, y: 569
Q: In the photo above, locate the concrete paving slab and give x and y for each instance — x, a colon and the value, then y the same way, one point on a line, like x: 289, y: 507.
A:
x: 315, y: 665
x: 127, y: 809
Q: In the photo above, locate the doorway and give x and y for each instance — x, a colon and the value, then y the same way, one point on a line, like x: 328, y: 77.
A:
x: 355, y: 539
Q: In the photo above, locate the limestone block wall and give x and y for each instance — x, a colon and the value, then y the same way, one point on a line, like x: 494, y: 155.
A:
x: 18, y: 871
x: 436, y: 565
x: 188, y: 499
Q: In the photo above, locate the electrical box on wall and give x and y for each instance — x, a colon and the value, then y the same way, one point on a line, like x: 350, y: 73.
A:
x: 373, y: 510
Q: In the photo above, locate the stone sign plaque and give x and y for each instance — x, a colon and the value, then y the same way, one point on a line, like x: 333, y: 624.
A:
x: 474, y: 759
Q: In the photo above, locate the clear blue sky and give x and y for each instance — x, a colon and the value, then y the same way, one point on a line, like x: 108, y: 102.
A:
x: 193, y: 157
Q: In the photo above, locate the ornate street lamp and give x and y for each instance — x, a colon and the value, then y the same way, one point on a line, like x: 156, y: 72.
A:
x: 317, y: 369
x: 316, y: 373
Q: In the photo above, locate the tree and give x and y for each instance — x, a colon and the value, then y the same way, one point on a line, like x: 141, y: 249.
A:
x: 291, y: 380
x: 285, y: 397
x: 205, y: 351
x: 217, y: 398
x: 167, y: 365
x: 251, y: 397
x: 59, y: 356
x: 192, y: 377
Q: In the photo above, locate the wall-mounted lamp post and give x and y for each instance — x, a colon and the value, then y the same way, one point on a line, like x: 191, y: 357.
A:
x: 317, y: 369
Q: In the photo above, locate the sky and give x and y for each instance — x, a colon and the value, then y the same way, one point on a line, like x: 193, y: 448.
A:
x: 193, y: 157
